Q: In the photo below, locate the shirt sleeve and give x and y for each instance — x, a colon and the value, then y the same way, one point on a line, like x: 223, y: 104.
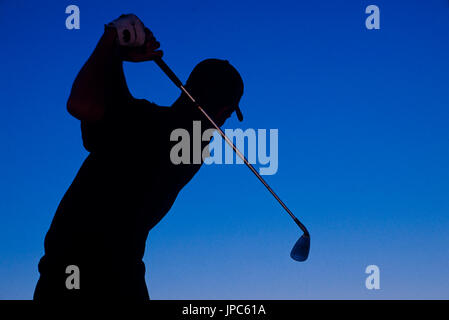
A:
x: 120, y: 128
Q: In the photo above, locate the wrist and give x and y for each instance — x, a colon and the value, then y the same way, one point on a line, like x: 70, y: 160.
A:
x: 110, y: 33
x: 110, y: 39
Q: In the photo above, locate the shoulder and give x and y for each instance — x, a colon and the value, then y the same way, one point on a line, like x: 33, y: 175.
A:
x: 143, y: 103
x: 141, y: 106
x: 131, y: 112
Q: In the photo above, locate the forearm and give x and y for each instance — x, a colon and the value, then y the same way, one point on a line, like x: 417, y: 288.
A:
x: 100, y: 82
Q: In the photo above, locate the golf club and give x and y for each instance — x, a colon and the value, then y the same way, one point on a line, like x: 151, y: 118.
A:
x: 301, y: 248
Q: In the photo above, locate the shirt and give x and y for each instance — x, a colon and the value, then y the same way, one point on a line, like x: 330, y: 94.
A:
x: 125, y: 186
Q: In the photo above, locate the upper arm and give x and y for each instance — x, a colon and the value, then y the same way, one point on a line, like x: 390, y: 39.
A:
x: 122, y: 127
x: 84, y: 111
x: 100, y: 82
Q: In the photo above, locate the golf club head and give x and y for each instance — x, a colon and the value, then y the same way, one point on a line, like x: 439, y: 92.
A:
x: 301, y: 249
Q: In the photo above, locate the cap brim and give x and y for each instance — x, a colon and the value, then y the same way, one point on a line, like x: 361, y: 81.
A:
x: 239, y: 113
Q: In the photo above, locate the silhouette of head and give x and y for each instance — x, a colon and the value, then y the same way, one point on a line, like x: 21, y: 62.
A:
x: 217, y: 86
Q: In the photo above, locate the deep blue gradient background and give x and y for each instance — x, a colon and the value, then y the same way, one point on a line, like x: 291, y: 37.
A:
x: 363, y: 145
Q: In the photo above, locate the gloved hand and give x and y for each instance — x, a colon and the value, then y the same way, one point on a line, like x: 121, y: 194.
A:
x: 136, y: 42
x: 130, y: 30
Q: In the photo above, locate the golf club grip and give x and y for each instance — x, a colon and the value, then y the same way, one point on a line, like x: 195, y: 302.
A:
x: 168, y: 72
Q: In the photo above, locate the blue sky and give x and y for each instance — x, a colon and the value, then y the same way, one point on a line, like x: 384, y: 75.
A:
x: 363, y: 145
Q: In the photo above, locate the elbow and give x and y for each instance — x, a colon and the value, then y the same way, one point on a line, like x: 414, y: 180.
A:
x: 72, y: 108
x: 84, y: 111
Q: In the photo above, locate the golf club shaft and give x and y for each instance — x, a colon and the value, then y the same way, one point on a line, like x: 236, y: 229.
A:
x: 178, y: 83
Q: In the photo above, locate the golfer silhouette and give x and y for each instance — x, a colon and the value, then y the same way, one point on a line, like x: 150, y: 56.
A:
x: 128, y: 182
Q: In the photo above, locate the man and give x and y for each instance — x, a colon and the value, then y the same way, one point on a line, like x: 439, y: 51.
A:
x: 127, y: 183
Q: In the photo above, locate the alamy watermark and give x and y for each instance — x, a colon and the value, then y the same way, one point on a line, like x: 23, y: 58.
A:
x: 372, y: 282
x: 73, y: 20
x: 73, y: 280
x: 252, y: 142
x: 373, y: 20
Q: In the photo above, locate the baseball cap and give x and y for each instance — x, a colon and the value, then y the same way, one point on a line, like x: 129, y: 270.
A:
x: 216, y: 83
